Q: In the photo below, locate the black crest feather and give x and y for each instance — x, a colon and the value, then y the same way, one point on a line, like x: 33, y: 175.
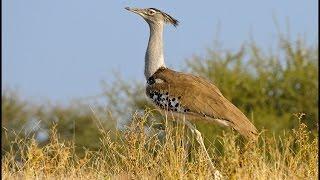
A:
x: 167, y: 18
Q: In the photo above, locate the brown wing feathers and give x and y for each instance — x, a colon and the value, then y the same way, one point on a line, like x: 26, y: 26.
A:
x: 198, y: 99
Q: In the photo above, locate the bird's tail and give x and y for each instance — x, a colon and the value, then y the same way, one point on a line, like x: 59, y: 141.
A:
x: 248, y: 130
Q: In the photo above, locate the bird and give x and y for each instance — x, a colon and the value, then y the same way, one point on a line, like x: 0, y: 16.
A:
x: 194, y: 97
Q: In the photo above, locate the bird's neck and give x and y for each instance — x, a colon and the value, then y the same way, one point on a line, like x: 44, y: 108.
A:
x: 154, y: 56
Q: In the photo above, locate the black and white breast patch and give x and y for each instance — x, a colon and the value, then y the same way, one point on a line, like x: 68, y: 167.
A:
x: 152, y: 80
x: 167, y: 102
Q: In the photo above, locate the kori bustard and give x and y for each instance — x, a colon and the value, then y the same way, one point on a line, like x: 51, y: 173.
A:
x: 184, y: 94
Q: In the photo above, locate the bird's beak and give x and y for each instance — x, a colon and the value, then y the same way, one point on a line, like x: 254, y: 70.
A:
x: 134, y: 10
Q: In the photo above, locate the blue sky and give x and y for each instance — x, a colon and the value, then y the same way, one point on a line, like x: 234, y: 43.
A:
x: 58, y: 50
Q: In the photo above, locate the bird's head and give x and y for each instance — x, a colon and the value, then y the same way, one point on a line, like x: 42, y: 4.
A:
x: 154, y: 16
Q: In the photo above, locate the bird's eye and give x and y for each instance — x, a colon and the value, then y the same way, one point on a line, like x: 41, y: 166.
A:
x: 151, y: 11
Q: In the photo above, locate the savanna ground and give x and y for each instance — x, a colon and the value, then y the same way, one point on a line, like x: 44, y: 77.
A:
x: 277, y: 91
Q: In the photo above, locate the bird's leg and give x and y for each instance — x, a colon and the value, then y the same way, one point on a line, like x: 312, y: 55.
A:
x: 216, y: 173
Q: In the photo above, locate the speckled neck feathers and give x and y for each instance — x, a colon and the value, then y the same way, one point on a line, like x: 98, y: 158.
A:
x: 154, y: 56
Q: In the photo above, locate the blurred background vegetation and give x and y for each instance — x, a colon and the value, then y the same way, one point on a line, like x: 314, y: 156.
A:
x: 269, y: 86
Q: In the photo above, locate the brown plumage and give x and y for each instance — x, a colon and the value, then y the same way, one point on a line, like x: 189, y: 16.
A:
x: 198, y: 99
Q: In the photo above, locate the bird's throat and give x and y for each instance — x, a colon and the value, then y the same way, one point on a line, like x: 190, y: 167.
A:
x: 154, y: 58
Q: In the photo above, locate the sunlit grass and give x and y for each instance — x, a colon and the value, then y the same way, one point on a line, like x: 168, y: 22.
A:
x: 146, y: 153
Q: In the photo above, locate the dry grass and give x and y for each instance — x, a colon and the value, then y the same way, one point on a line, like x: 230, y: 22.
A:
x: 140, y: 153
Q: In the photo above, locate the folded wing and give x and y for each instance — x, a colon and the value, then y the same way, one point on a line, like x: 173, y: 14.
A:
x: 196, y: 98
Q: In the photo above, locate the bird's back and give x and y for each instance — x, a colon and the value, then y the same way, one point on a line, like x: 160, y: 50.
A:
x: 197, y: 99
